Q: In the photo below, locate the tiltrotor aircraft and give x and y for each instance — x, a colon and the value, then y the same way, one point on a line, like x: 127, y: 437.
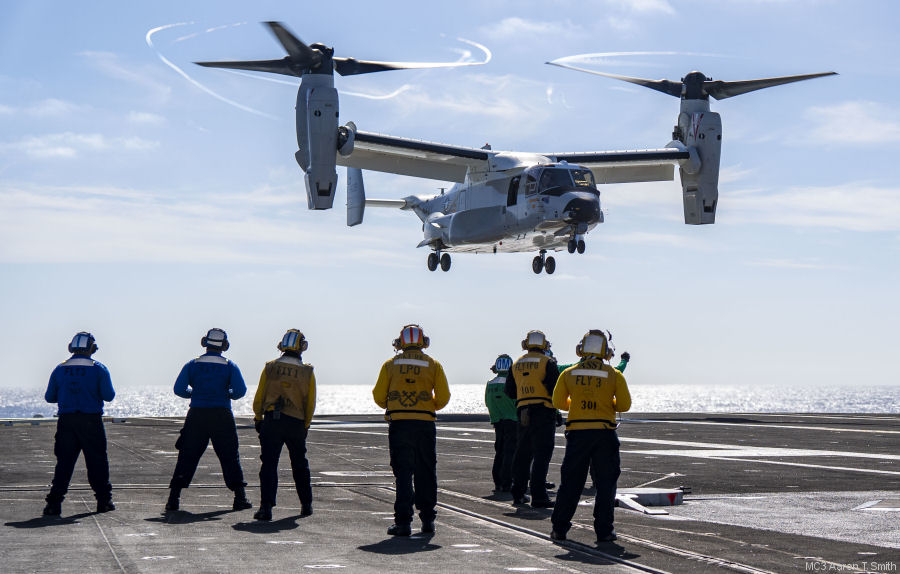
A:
x: 501, y: 201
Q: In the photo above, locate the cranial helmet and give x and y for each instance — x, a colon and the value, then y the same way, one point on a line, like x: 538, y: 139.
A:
x: 83, y: 343
x: 216, y: 339
x: 293, y: 341
x: 503, y: 364
x: 596, y: 343
x: 411, y: 336
x: 535, y: 340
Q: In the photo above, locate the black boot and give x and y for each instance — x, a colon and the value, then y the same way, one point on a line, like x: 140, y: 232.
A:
x: 53, y: 507
x: 399, y: 530
x: 173, y: 502
x: 240, y: 499
x: 305, y: 509
x: 264, y: 512
x: 105, y: 505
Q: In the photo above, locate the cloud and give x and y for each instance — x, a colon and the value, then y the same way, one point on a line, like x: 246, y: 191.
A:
x: 790, y: 264
x: 515, y: 27
x: 267, y: 225
x: 70, y: 145
x: 850, y: 207
x: 6, y: 109
x: 52, y: 107
x: 643, y: 6
x: 145, y: 118
x: 856, y: 122
x: 141, y: 76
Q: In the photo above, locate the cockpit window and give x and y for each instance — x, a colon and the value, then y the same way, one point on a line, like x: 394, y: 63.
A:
x: 583, y: 177
x: 555, y: 177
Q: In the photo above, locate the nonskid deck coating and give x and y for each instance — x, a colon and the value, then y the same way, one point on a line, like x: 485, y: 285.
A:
x: 777, y: 493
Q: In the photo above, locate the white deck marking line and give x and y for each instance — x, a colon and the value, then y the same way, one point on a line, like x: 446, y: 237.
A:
x: 105, y: 539
x: 870, y: 417
x: 713, y: 452
x: 768, y: 426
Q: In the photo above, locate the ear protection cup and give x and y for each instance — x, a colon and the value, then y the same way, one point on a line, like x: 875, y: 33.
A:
x: 216, y: 339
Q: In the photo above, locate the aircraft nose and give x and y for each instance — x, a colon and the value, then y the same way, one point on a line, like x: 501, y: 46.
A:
x: 582, y: 210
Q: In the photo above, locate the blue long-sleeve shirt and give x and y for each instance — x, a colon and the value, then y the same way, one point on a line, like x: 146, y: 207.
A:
x: 210, y: 381
x: 80, y: 385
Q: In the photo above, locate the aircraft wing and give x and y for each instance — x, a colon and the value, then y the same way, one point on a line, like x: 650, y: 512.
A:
x: 628, y: 166
x: 417, y: 158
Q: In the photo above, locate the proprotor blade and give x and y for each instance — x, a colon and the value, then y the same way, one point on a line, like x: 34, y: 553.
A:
x: 297, y: 51
x: 282, y: 66
x: 664, y: 86
x: 721, y: 90
x: 352, y: 66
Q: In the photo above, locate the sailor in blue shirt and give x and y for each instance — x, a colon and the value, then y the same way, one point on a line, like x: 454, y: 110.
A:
x: 79, y: 386
x: 211, y: 382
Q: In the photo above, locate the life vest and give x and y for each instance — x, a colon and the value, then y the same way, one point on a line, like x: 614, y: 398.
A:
x: 529, y: 371
x: 287, y: 381
x: 411, y: 391
x: 592, y: 388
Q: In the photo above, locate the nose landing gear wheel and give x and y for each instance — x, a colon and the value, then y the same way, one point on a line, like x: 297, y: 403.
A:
x: 580, y: 246
x: 537, y: 264
x: 550, y: 265
x: 432, y: 261
x: 445, y: 262
x: 571, y: 246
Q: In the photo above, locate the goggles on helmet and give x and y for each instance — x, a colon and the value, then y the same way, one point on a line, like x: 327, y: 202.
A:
x: 293, y: 341
x: 83, y: 342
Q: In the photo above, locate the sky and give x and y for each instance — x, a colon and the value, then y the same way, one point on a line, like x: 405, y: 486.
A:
x: 146, y: 199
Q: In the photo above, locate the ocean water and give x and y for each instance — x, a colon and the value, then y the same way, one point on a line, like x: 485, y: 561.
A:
x: 159, y: 401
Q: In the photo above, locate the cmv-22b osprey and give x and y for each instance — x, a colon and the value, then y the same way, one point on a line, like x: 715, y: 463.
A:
x: 501, y: 201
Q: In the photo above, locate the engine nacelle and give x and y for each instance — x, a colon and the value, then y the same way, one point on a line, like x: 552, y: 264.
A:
x: 317, y: 137
x: 701, y: 133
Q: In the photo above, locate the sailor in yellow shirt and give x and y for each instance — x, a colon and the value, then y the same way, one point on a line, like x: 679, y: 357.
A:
x: 283, y: 409
x: 411, y: 387
x: 593, y: 392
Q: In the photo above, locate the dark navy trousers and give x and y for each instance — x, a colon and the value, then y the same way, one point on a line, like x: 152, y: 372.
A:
x: 505, y: 432
x: 202, y: 425
x: 274, y: 434
x: 413, y: 446
x: 77, y: 433
x: 537, y: 437
x: 585, y: 448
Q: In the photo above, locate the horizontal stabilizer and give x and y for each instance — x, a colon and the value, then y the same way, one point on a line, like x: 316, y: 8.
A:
x: 395, y: 203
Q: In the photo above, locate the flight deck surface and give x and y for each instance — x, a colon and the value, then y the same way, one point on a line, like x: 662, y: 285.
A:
x: 768, y: 493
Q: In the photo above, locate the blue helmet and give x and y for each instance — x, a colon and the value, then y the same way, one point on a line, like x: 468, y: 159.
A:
x: 83, y: 343
x: 503, y: 364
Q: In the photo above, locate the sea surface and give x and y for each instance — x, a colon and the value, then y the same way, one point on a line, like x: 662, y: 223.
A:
x: 159, y: 401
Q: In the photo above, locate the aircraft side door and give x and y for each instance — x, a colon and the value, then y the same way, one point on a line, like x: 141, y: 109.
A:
x: 512, y: 200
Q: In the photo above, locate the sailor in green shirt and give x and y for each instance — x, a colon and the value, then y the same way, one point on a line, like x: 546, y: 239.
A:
x: 625, y: 357
x: 504, y: 418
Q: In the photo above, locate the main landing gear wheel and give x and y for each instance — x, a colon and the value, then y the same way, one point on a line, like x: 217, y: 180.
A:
x: 542, y: 262
x: 432, y: 261
x: 571, y: 246
x: 580, y: 246
x: 445, y: 262
x: 550, y: 265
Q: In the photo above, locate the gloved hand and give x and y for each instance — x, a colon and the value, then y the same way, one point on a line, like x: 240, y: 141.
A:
x: 626, y: 356
x: 258, y: 426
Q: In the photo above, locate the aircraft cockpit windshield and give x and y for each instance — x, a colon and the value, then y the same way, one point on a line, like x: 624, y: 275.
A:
x: 557, y: 180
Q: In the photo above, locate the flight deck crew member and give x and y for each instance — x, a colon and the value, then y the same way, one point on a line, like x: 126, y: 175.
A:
x: 79, y: 386
x: 623, y: 362
x: 593, y: 392
x: 283, y: 409
x: 531, y: 383
x: 211, y: 382
x: 411, y: 387
x: 502, y: 409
